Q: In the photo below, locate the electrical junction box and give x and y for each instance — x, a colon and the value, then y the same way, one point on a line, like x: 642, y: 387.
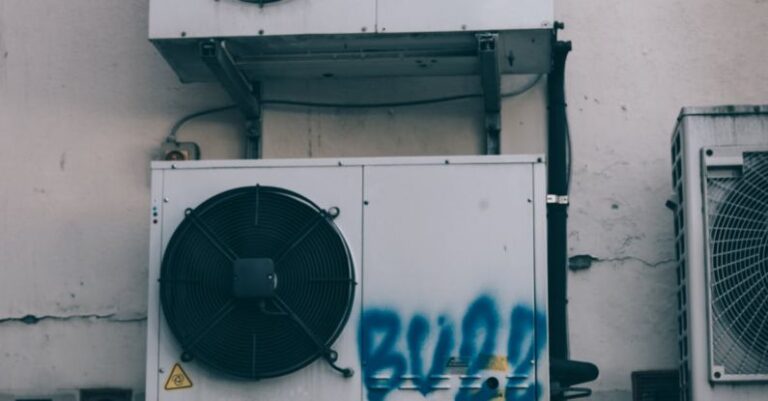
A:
x: 342, y: 38
x: 348, y: 280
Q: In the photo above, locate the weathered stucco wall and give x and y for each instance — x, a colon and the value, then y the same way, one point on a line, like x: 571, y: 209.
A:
x: 85, y: 101
x: 634, y: 65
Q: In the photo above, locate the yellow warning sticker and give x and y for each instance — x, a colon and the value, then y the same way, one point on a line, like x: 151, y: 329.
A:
x: 178, y: 379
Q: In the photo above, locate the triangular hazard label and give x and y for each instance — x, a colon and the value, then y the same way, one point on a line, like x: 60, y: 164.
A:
x: 178, y: 379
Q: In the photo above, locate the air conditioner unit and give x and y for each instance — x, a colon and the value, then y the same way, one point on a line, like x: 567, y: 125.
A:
x: 340, y: 38
x: 720, y: 176
x: 348, y: 280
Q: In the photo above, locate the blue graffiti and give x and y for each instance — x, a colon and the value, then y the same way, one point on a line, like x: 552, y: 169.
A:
x: 418, y: 331
x: 481, y: 318
x: 381, y: 355
x: 522, y: 347
x: 386, y: 368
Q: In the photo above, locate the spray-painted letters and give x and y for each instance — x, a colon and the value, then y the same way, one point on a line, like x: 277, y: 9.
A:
x: 469, y: 346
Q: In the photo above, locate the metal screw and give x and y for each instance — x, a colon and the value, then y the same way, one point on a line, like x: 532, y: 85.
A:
x: 166, y: 200
x: 363, y: 29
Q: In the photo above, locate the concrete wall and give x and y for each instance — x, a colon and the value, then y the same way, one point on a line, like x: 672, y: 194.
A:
x: 85, y: 101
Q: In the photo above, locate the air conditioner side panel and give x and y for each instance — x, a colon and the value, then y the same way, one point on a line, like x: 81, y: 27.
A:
x: 153, y: 303
x: 449, y: 285
x: 187, y: 188
x: 541, y: 286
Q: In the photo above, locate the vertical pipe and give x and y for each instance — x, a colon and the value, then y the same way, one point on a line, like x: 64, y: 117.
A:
x: 557, y: 214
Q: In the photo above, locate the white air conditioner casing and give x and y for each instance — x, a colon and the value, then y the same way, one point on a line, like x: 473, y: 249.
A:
x: 449, y: 258
x: 712, y: 149
x: 230, y: 18
x: 352, y: 38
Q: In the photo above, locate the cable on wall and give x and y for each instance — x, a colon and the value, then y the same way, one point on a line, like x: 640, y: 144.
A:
x: 172, y: 136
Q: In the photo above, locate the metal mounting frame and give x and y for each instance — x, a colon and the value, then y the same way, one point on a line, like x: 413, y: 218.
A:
x: 246, y: 94
x: 490, y: 80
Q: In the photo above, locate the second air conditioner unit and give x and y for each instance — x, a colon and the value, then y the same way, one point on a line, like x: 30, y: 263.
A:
x: 720, y: 176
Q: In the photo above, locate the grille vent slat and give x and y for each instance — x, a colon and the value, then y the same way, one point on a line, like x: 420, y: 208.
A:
x: 659, y: 385
x: 678, y: 173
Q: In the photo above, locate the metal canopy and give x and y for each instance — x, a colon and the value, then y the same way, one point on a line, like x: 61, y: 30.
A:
x: 240, y: 63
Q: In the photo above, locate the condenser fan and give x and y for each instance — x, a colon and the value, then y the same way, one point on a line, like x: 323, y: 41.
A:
x: 738, y: 235
x: 257, y: 282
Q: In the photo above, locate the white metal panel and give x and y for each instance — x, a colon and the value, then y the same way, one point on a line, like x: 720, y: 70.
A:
x: 156, y: 247
x: 230, y: 18
x: 396, y: 16
x: 449, y: 251
x: 326, y: 186
x: 225, y: 18
x: 541, y: 285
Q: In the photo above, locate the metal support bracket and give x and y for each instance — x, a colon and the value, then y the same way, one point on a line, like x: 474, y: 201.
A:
x: 490, y: 80
x: 558, y: 200
x: 245, y: 94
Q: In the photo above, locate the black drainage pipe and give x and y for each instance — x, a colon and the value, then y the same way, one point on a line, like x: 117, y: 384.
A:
x: 564, y: 373
x: 557, y: 213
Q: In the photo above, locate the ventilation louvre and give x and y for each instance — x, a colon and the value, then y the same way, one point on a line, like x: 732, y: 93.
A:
x: 655, y: 385
x: 681, y: 253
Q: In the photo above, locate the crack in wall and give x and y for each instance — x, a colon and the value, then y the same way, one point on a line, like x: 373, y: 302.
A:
x: 583, y: 262
x: 641, y: 260
x: 33, y: 319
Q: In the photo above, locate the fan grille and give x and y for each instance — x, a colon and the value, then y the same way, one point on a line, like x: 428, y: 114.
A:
x: 738, y: 235
x: 257, y: 337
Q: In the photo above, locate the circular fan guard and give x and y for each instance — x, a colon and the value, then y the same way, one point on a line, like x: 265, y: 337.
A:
x: 739, y: 272
x: 299, y: 289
